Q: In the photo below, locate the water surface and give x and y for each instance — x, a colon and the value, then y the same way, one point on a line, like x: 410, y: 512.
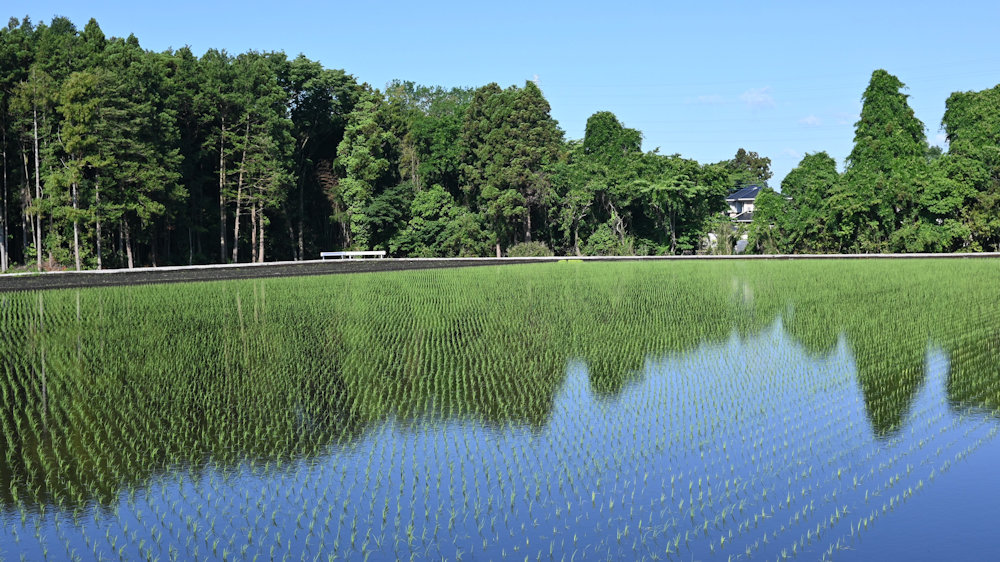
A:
x: 564, y: 411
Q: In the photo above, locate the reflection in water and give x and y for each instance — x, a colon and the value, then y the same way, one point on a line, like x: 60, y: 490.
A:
x: 482, y: 399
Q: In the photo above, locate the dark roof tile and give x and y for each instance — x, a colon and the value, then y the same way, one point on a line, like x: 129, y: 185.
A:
x: 748, y: 192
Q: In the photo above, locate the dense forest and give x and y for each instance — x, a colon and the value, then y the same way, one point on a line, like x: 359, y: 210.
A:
x: 116, y: 156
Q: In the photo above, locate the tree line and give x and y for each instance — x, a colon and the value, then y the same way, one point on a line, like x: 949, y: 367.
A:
x: 896, y: 194
x: 117, y: 156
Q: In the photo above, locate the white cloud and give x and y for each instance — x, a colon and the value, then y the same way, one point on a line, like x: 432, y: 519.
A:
x: 941, y: 139
x: 811, y: 121
x: 758, y: 98
x: 792, y: 152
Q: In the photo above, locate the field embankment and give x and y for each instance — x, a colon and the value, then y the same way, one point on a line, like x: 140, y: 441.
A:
x: 222, y: 272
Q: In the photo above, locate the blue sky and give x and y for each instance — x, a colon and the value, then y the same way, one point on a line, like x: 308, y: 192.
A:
x: 698, y: 79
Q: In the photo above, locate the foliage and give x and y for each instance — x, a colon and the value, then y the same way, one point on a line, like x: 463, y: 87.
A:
x: 971, y: 167
x: 808, y: 187
x: 440, y: 227
x: 681, y: 197
x: 764, y: 235
x: 364, y: 155
x: 529, y: 250
x: 604, y: 242
x: 508, y: 139
x: 722, y: 236
x: 748, y: 168
x: 887, y: 173
x: 117, y: 156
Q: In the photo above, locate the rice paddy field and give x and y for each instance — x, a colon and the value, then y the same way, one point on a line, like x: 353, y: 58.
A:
x: 760, y: 410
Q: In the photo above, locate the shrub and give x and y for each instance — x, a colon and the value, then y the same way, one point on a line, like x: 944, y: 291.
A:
x: 603, y: 242
x: 529, y: 250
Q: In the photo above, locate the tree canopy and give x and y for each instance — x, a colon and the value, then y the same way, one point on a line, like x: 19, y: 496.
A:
x: 897, y: 194
x: 117, y: 156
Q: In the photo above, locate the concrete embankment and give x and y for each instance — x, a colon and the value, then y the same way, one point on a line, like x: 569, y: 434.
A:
x: 176, y: 274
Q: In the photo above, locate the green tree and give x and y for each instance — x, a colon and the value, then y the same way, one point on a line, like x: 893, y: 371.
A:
x: 431, y: 150
x: 748, y: 168
x: 607, y: 140
x: 438, y: 226
x: 972, y: 166
x: 767, y: 233
x: 320, y: 101
x: 809, y: 187
x: 610, y: 162
x: 79, y: 150
x: 886, y: 172
x: 570, y: 181
x: 184, y: 75
x: 15, y: 60
x: 263, y: 146
x: 364, y: 155
x: 679, y: 198
x: 32, y: 103
x: 508, y: 140
x: 218, y: 107
x: 140, y: 136
x: 59, y: 50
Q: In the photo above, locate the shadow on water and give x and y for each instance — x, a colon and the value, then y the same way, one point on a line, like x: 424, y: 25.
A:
x: 106, y: 390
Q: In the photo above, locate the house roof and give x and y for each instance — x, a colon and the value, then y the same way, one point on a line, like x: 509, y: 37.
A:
x: 744, y: 217
x: 748, y: 193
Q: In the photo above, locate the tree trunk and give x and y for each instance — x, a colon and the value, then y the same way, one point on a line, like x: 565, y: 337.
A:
x: 222, y: 192
x: 48, y: 251
x: 260, y: 239
x: 76, y: 226
x: 576, y: 238
x: 618, y: 223
x: 27, y: 225
x: 128, y: 244
x: 302, y: 212
x: 527, y: 225
x: 26, y: 229
x: 345, y: 231
x: 239, y: 195
x: 498, y: 250
x: 38, y: 190
x: 253, y: 233
x: 298, y: 249
x: 119, y: 239
x: 673, y: 232
x: 3, y: 234
x: 153, y: 257
x: 4, y: 248
x: 97, y: 216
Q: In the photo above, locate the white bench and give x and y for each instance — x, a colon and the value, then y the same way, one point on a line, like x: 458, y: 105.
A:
x: 342, y: 255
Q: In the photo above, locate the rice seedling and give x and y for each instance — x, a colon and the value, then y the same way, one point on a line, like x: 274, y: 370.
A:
x: 613, y: 410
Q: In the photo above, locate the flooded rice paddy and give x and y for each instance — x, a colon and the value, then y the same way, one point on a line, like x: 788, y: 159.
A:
x: 568, y: 411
